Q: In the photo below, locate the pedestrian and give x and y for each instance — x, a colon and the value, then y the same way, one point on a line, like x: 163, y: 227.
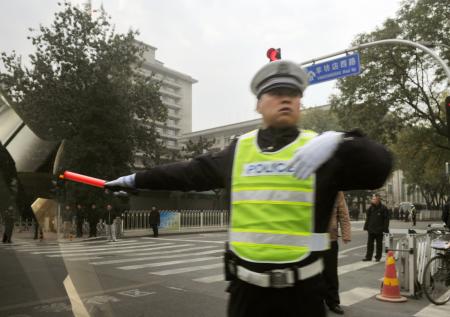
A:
x: 282, y: 183
x: 38, y: 233
x: 66, y: 217
x: 93, y: 218
x: 339, y: 218
x: 446, y: 213
x: 406, y: 215
x: 154, y: 220
x: 413, y: 214
x: 355, y: 212
x: 79, y: 220
x: 9, y: 217
x: 396, y: 213
x: 402, y: 212
x: 111, y: 222
x: 377, y: 223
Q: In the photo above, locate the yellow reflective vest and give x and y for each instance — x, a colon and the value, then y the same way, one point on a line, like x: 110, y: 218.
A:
x: 272, y: 212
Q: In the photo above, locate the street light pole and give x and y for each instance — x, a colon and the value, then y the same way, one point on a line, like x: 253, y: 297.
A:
x: 433, y: 45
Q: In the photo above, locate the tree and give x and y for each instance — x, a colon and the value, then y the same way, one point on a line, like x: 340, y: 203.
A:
x: 400, y: 90
x: 319, y: 120
x: 84, y: 86
x: 399, y: 85
x: 192, y: 149
x: 423, y: 164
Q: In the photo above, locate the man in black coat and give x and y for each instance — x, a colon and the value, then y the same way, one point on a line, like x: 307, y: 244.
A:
x: 377, y: 223
x: 154, y: 220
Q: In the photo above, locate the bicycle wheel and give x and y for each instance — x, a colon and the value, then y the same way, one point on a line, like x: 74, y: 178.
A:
x: 436, y: 280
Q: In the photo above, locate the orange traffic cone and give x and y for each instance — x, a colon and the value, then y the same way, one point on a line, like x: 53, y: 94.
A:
x: 390, y: 289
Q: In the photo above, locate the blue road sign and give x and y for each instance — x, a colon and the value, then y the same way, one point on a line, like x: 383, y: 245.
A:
x: 333, y: 69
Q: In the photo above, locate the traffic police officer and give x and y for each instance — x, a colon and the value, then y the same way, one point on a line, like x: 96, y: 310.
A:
x: 283, y: 183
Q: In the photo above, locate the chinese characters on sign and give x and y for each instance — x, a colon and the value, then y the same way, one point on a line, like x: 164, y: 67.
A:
x: 333, y: 69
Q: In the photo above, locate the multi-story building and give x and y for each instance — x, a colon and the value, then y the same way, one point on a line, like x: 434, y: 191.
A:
x: 222, y: 135
x: 176, y: 95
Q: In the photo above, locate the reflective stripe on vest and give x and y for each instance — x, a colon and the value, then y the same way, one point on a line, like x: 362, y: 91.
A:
x: 315, y: 241
x: 272, y: 212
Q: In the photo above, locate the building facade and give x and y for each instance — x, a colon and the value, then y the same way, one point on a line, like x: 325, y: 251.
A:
x: 176, y: 94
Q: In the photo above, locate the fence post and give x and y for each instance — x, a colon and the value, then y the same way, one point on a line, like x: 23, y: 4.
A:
x: 201, y: 218
x: 412, y: 264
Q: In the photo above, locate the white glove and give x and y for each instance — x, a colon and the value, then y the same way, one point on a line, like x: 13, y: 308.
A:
x: 123, y: 182
x: 313, y: 154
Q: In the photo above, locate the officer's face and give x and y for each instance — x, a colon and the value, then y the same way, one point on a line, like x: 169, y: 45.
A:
x: 279, y: 107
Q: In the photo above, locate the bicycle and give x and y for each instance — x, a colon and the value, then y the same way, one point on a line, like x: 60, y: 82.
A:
x: 436, y: 276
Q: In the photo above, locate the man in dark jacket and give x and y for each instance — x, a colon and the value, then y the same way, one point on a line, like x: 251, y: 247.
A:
x: 377, y: 223
x: 281, y: 168
x: 80, y: 215
x: 154, y: 220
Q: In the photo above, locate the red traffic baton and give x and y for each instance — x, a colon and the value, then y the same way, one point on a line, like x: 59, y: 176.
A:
x: 79, y: 178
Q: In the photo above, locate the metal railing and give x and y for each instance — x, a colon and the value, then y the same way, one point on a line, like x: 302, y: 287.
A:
x: 177, y: 220
x: 412, y: 252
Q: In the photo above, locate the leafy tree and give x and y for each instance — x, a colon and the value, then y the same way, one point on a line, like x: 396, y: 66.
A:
x: 400, y: 91
x: 423, y: 164
x: 399, y: 85
x: 192, y: 149
x: 84, y: 85
x: 319, y: 120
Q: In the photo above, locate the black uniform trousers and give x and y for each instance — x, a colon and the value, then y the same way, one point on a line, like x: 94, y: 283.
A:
x: 304, y: 299
x: 330, y: 274
x: 371, y: 238
x: 155, y: 229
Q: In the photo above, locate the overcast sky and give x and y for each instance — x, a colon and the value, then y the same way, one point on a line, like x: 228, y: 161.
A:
x: 221, y: 43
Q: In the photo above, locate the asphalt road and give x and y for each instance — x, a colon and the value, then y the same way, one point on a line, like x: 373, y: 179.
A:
x: 177, y: 275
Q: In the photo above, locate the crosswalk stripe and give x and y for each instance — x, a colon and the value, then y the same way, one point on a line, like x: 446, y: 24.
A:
x: 211, y: 279
x: 188, y: 269
x: 155, y: 247
x: 351, y: 249
x: 98, y: 248
x: 185, y: 240
x: 87, y: 258
x: 355, y: 266
x: 153, y: 255
x: 356, y: 295
x: 74, y: 246
x: 175, y: 256
x: 150, y: 253
x: 142, y: 266
x: 435, y: 311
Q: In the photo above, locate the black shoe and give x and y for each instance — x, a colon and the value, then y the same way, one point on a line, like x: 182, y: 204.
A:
x: 377, y: 259
x: 366, y: 259
x: 337, y: 309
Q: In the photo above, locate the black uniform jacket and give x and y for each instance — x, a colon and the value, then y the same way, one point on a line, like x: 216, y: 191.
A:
x: 358, y: 163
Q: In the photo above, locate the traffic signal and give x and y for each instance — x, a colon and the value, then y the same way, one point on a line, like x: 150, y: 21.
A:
x: 274, y: 54
x: 447, y: 109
